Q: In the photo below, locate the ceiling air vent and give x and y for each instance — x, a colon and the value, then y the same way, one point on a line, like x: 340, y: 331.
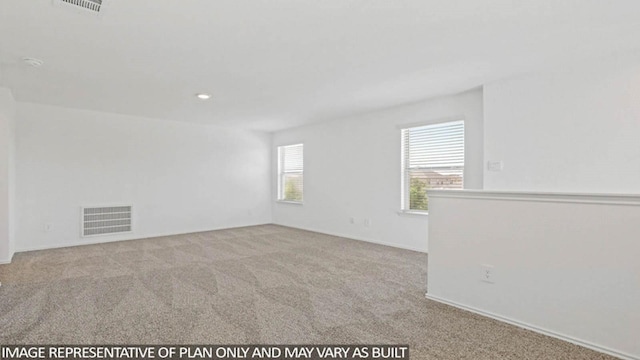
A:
x: 106, y: 220
x: 91, y: 5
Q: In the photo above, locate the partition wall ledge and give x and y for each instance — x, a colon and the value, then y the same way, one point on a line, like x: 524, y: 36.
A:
x: 555, y: 197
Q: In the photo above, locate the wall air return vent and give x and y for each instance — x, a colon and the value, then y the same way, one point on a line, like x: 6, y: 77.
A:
x: 93, y: 6
x: 106, y: 220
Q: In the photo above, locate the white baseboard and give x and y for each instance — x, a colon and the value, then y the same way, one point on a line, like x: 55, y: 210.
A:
x: 93, y: 241
x: 399, y: 246
x: 6, y: 261
x: 537, y: 329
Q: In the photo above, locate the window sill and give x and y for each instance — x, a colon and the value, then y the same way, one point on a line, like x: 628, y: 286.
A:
x: 413, y: 213
x: 300, y: 203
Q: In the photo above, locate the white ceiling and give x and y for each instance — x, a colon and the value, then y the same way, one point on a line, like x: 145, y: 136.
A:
x: 273, y: 64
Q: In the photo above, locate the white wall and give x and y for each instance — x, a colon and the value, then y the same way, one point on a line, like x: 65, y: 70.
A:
x: 563, y: 264
x: 575, y: 129
x: 180, y: 177
x: 352, y: 169
x: 7, y: 180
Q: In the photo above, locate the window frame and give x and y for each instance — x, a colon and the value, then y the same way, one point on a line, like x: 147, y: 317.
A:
x: 404, y: 156
x: 282, y: 173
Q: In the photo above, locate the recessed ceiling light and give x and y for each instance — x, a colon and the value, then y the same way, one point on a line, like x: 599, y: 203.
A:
x: 203, y: 96
x: 32, y: 61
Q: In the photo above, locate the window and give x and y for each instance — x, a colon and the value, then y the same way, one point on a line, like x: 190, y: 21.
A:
x: 432, y: 158
x: 290, y: 173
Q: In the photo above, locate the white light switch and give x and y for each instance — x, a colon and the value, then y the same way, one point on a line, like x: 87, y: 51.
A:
x: 495, y: 165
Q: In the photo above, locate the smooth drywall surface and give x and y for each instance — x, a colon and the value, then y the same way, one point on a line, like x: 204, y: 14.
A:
x: 575, y: 129
x: 179, y: 177
x: 7, y: 183
x: 352, y: 170
x: 565, y: 265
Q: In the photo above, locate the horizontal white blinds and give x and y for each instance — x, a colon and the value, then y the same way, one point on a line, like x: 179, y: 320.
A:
x: 291, y: 170
x: 292, y: 158
x: 433, y: 158
x: 435, y: 146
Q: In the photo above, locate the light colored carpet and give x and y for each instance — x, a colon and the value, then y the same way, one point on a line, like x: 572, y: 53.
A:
x: 255, y: 285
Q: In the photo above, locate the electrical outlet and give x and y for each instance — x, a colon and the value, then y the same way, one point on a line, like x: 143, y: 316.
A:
x: 367, y: 222
x: 487, y: 273
x: 48, y: 227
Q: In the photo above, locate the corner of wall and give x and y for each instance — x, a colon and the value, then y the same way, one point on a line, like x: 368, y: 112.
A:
x: 272, y: 178
x: 12, y: 184
x: 7, y: 170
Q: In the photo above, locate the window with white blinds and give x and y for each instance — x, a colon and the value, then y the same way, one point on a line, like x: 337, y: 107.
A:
x: 290, y: 172
x: 432, y: 158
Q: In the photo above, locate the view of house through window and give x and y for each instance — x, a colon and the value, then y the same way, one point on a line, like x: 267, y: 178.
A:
x: 432, y: 158
x: 290, y: 172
